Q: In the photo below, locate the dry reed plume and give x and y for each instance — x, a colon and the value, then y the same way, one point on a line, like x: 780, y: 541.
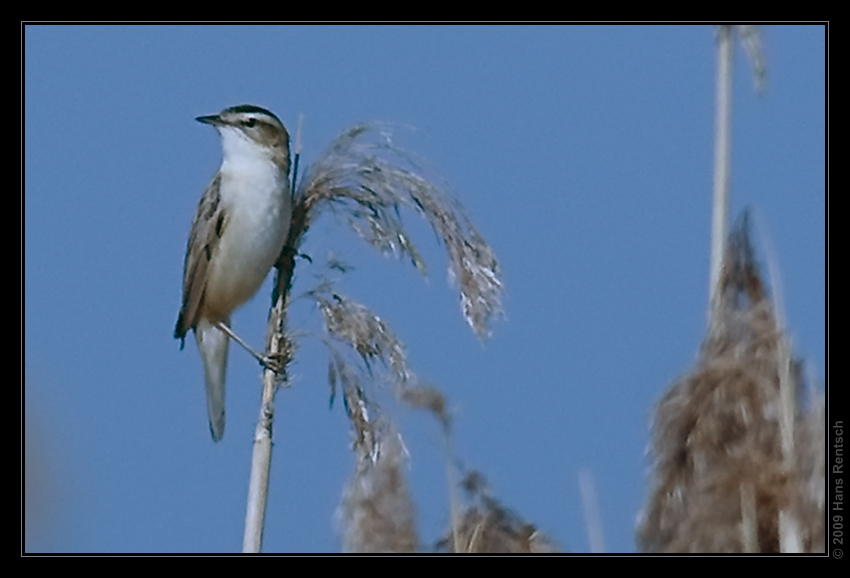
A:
x: 485, y: 526
x: 366, y: 180
x: 737, y: 461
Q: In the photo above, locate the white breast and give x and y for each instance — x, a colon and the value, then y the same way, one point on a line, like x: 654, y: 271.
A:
x: 255, y: 196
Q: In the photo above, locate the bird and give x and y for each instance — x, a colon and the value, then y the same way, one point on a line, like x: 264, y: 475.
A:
x: 239, y: 230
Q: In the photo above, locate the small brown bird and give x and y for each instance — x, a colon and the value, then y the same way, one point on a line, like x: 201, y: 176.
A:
x: 239, y: 230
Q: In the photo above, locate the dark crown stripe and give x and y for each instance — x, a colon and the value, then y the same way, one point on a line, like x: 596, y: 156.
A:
x: 248, y: 108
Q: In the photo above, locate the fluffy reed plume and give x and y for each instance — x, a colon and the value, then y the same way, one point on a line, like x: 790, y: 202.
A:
x: 486, y: 527
x: 737, y: 463
x: 376, y: 514
x: 366, y: 179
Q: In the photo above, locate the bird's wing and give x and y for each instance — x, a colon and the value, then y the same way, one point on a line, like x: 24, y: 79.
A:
x: 207, y: 229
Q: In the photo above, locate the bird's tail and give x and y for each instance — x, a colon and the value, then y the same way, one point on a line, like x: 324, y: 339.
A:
x: 212, y: 343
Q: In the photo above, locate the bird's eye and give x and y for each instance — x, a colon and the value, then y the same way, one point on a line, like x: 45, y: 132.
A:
x: 250, y: 122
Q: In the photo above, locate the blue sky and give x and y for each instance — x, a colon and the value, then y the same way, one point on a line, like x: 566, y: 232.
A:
x: 582, y: 154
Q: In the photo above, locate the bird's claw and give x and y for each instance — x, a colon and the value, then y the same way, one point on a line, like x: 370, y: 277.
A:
x: 273, y: 362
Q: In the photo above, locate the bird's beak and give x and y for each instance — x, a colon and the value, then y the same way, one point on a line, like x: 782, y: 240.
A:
x: 214, y: 120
